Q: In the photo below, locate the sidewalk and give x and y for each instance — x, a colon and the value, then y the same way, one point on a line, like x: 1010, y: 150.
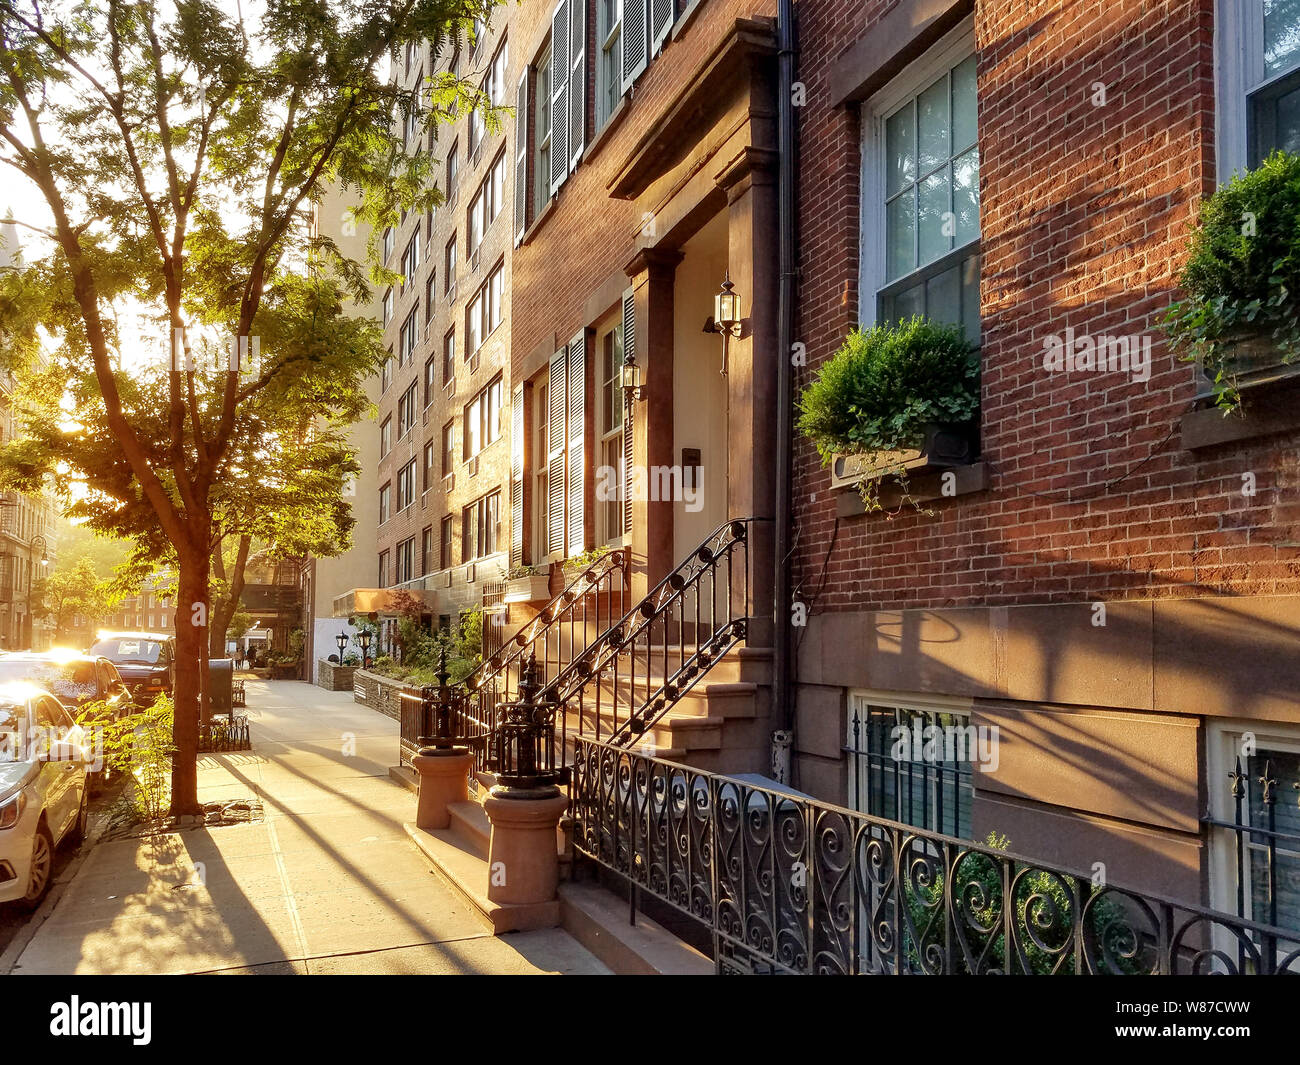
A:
x: 328, y: 883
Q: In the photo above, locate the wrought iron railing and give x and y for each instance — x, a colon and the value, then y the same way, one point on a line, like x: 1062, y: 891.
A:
x: 786, y: 884
x: 442, y: 715
x: 564, y: 629
x: 622, y: 684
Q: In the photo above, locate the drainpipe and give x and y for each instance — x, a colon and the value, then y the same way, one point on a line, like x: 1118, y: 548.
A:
x: 782, y: 690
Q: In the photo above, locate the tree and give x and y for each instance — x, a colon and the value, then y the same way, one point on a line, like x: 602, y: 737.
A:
x: 71, y: 590
x: 178, y: 151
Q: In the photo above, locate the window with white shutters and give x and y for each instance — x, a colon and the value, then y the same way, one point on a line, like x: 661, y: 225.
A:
x: 661, y: 22
x: 609, y: 65
x: 636, y: 39
x: 577, y: 456
x: 517, y: 476
x: 559, y: 95
x: 557, y: 437
x: 521, y: 158
x: 578, y: 79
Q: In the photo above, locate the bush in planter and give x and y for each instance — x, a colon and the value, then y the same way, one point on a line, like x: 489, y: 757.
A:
x: 1242, y: 279
x: 884, y: 386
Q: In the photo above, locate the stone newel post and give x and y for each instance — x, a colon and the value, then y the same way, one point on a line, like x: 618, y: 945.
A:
x: 444, y: 767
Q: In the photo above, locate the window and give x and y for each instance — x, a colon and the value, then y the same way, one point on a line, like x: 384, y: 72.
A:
x: 541, y: 448
x: 383, y: 569
x: 406, y: 486
x: 453, y: 174
x: 390, y: 239
x: 426, y: 550
x: 388, y: 306
x: 483, y: 419
x: 430, y: 378
x: 483, y: 314
x: 448, y: 448
x: 476, y: 211
x: 429, y: 459
x: 487, y: 201
x: 386, y: 437
x: 542, y: 133
x: 449, y: 357
x: 386, y: 373
x: 429, y: 289
x: 406, y: 560
x: 406, y: 408
x: 1257, y: 81
x: 411, y: 261
x: 912, y: 764
x: 921, y: 223
x: 480, y: 527
x: 410, y: 334
x: 444, y: 543
x: 385, y: 503
x: 477, y: 127
x: 449, y: 263
x: 610, y: 414
x: 1255, y: 848
x: 609, y: 64
x: 411, y: 131
x: 497, y: 76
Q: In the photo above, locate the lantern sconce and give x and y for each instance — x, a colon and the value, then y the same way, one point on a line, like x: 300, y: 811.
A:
x: 631, y: 380
x: 726, y: 318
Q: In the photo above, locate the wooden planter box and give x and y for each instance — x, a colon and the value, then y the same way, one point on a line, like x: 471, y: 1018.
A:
x: 534, y: 589
x: 333, y: 677
x: 944, y: 447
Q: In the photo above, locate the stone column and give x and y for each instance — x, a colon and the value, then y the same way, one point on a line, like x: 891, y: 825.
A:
x: 523, y: 856
x: 444, y: 779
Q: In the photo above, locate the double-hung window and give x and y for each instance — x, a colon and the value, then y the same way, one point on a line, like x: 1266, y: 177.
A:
x: 1257, y: 81
x: 390, y: 239
x: 430, y: 457
x: 406, y: 560
x: 483, y: 419
x: 609, y: 63
x: 453, y: 175
x: 388, y: 306
x: 448, y: 448
x: 610, y: 413
x: 406, y: 486
x: 406, y: 408
x: 483, y: 313
x: 386, y: 437
x: 481, y: 527
x: 430, y: 378
x: 449, y: 263
x: 444, y: 542
x: 385, y: 503
x: 921, y: 225
x: 449, y: 357
x: 411, y: 261
x: 542, y: 133
x: 410, y: 334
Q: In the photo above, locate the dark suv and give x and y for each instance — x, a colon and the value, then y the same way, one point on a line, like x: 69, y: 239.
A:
x: 72, y: 678
x: 146, y: 660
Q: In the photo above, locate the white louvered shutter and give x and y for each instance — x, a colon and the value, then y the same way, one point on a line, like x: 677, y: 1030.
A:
x: 521, y: 157
x: 629, y: 348
x: 559, y: 95
x: 556, y: 438
x: 517, y: 476
x: 577, y: 441
x: 636, y: 39
x: 577, y: 80
x: 661, y: 22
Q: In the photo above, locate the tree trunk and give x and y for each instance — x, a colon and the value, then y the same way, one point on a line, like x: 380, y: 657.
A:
x: 224, y: 610
x: 189, y: 693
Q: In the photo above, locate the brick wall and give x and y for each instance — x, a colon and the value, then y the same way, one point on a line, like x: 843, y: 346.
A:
x: 1085, y: 213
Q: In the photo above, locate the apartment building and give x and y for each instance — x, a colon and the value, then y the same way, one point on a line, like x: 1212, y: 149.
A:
x: 1111, y: 587
x: 443, y: 451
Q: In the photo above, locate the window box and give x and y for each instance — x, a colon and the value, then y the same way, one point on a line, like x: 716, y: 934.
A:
x: 943, y: 447
x: 533, y: 589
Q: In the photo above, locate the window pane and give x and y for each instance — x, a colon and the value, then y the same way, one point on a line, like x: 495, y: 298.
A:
x: 970, y: 298
x: 900, y: 235
x: 905, y: 304
x: 943, y: 297
x: 935, y: 226
x: 1281, y: 35
x: 900, y: 150
x: 932, y: 126
x: 963, y: 105
x: 966, y: 196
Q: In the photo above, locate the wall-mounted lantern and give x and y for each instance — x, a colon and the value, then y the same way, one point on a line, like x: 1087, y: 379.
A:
x: 631, y: 380
x: 726, y: 318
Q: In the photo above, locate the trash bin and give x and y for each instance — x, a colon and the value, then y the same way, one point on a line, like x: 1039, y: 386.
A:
x: 221, y: 681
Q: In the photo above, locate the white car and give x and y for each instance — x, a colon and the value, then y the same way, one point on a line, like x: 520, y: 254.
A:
x: 44, y: 758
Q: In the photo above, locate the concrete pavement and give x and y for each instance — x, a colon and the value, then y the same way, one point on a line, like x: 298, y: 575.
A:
x: 328, y: 883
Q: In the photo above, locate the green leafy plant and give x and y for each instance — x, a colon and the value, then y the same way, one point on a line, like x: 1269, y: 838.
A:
x: 878, y: 393
x: 139, y: 747
x: 518, y: 572
x: 1242, y: 279
x: 587, y: 557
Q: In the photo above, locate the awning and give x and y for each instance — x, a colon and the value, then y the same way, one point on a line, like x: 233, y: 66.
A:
x: 390, y: 601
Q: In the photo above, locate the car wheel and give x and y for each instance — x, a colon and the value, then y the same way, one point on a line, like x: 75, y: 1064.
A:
x: 78, y: 832
x: 42, y: 868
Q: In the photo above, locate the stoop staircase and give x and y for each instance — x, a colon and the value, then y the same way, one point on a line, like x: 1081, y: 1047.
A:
x: 672, y: 677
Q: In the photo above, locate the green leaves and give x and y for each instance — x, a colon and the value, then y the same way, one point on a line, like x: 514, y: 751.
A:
x: 1240, y: 276
x: 878, y: 392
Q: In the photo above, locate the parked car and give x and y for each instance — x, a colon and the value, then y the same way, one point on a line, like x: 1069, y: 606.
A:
x: 43, y: 792
x: 74, y: 679
x: 146, y: 661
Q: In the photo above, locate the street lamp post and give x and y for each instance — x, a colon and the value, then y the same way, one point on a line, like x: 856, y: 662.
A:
x: 342, y: 640
x: 365, y: 637
x: 45, y: 561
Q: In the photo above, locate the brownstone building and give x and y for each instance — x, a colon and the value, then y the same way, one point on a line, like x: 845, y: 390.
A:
x: 1113, y: 584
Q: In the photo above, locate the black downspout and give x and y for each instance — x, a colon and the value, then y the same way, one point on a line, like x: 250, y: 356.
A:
x: 781, y: 686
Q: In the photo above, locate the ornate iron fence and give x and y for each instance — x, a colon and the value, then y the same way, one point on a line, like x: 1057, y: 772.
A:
x: 786, y: 884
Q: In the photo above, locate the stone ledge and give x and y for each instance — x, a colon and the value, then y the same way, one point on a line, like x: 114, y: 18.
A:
x: 467, y: 875
x: 597, y: 919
